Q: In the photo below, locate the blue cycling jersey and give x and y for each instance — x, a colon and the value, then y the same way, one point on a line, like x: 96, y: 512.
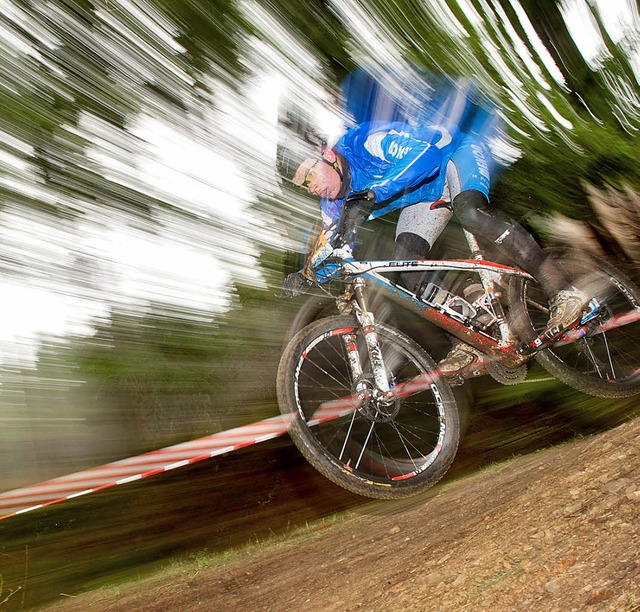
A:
x: 404, y: 161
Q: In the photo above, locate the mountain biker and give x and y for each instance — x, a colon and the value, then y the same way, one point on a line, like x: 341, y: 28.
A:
x: 429, y: 170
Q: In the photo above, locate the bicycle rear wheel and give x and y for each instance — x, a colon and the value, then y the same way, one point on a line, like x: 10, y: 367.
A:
x: 380, y: 449
x: 605, y: 361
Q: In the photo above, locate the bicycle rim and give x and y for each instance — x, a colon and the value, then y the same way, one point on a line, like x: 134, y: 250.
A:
x: 605, y: 361
x: 370, y: 447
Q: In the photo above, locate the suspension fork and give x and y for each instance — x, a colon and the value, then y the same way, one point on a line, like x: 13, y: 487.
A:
x: 367, y: 325
x: 489, y: 280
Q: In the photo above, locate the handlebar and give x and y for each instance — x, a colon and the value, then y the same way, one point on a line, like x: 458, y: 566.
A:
x: 355, y: 209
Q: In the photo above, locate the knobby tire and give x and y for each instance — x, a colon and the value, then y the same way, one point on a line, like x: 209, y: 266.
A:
x: 602, y: 364
x: 382, y: 452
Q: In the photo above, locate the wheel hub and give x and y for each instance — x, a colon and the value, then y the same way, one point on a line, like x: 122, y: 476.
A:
x: 374, y: 405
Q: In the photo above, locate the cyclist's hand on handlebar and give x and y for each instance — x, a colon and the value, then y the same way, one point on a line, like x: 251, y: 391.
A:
x: 322, y: 250
x: 297, y: 283
x: 323, y: 262
x: 327, y: 271
x: 333, y: 241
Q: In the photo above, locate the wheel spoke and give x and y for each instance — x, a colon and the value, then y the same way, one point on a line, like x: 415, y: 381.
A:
x: 383, y: 440
x: 364, y: 445
x: 589, y: 354
x: 346, y: 437
x: 601, y: 357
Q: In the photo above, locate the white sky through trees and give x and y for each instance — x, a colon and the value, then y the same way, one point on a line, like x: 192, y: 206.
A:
x: 179, y: 262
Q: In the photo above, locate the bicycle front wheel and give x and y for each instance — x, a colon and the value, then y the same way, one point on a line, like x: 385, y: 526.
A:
x: 376, y: 448
x: 603, y: 359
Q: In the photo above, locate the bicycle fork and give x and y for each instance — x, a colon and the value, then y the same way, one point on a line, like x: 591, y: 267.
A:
x: 367, y: 325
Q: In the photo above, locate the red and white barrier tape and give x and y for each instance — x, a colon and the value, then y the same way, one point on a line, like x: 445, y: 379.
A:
x: 64, y: 488
x: 57, y: 490
x: 128, y: 470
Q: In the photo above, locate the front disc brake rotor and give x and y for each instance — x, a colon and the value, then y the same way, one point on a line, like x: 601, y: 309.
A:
x: 374, y: 407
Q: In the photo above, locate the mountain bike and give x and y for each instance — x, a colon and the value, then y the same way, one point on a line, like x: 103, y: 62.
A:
x: 371, y: 410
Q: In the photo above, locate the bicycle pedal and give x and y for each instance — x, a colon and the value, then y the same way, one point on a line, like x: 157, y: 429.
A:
x: 594, y: 309
x: 457, y: 380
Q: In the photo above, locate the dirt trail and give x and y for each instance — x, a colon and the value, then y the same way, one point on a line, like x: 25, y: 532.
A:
x: 556, y: 530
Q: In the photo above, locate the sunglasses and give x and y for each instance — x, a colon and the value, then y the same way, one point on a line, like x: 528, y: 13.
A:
x: 308, y: 177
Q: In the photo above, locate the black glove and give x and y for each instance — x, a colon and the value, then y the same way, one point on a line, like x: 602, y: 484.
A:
x: 295, y: 284
x: 355, y: 210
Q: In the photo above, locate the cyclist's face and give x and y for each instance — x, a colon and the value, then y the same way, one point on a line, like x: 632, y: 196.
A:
x: 319, y: 178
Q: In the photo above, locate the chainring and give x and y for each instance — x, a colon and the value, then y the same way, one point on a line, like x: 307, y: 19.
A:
x: 507, y: 376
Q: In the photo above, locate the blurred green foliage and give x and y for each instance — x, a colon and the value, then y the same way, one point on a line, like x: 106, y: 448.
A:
x: 161, y: 377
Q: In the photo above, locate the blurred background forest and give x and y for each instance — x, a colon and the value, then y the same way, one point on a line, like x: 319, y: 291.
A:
x: 143, y: 234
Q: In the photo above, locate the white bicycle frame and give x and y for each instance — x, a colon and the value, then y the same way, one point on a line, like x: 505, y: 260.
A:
x: 373, y: 272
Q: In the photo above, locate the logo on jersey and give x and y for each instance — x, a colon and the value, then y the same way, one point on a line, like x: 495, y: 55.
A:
x: 398, y: 151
